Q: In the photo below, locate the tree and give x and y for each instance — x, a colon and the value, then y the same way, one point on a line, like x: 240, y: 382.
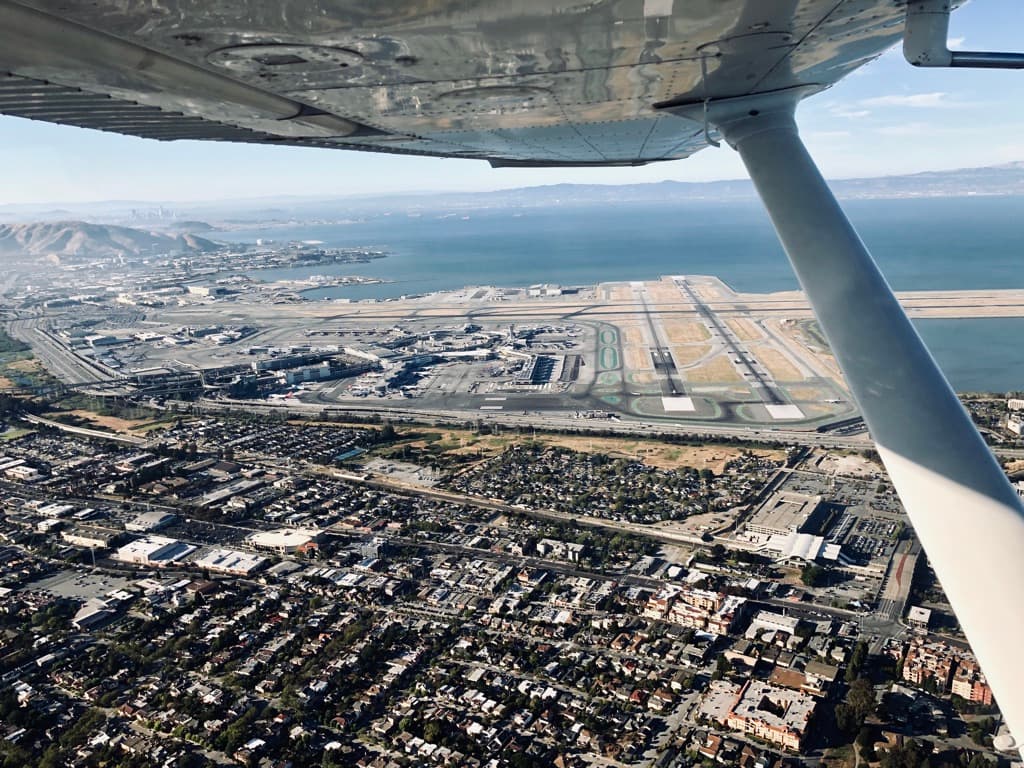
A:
x: 979, y: 760
x: 813, y: 575
x: 861, y: 698
x: 722, y: 668
x: 432, y: 732
x: 866, y: 743
x: 857, y: 658
x: 911, y: 755
x: 846, y: 720
x: 859, y: 703
x: 981, y: 730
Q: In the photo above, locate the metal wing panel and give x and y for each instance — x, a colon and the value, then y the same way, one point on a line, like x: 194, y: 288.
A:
x: 413, y: 41
x: 37, y: 100
x: 853, y: 34
x: 537, y: 81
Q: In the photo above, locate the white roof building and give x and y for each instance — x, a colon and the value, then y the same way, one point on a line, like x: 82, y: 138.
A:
x: 230, y: 561
x: 150, y: 521
x: 801, y: 546
x: 283, y: 540
x: 919, y: 616
x: 154, y: 550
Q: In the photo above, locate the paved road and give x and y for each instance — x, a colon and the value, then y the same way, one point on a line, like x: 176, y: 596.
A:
x: 85, y: 432
x: 395, y: 412
x: 56, y: 356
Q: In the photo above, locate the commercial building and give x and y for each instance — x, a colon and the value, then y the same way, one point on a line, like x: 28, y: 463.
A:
x: 230, y: 561
x: 55, y: 510
x: 90, y: 537
x: 769, y: 621
x: 93, y: 613
x: 786, y: 513
x: 919, y: 617
x: 285, y: 540
x: 319, y: 372
x: 23, y: 472
x: 154, y: 551
x: 797, y: 548
x: 150, y: 521
x: 775, y: 714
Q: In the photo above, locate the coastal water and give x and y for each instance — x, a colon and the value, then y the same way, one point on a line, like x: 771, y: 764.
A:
x: 978, y: 354
x: 939, y: 243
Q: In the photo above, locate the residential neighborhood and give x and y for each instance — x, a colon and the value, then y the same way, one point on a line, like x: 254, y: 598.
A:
x: 241, y: 593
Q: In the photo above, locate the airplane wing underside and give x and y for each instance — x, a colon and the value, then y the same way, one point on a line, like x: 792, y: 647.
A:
x: 543, y: 82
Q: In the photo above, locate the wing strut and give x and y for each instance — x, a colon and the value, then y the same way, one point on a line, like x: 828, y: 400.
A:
x: 966, y: 514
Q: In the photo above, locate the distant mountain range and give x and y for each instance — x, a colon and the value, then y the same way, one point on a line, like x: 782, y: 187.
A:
x: 999, y: 180
x: 78, y: 239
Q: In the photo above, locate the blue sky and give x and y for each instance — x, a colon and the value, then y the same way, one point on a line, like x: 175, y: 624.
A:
x: 887, y: 118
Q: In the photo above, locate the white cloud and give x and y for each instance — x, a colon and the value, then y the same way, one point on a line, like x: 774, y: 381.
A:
x: 850, y: 113
x: 935, y: 100
x: 956, y: 43
x: 906, y: 129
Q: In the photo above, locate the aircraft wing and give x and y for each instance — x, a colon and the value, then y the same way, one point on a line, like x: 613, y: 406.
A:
x: 538, y: 82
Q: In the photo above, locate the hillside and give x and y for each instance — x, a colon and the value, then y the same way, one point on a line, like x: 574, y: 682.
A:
x: 78, y: 239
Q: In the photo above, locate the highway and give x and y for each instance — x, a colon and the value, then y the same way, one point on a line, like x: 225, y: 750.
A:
x: 56, y: 356
x: 549, y: 420
x: 85, y: 432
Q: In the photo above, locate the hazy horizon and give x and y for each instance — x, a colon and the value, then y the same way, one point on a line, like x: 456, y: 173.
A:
x: 326, y: 197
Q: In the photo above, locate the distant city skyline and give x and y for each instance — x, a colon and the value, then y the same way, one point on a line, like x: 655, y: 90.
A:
x: 887, y: 118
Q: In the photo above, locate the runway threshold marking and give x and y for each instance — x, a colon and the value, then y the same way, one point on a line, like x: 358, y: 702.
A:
x: 780, y: 412
x: 492, y: 407
x: 670, y: 404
